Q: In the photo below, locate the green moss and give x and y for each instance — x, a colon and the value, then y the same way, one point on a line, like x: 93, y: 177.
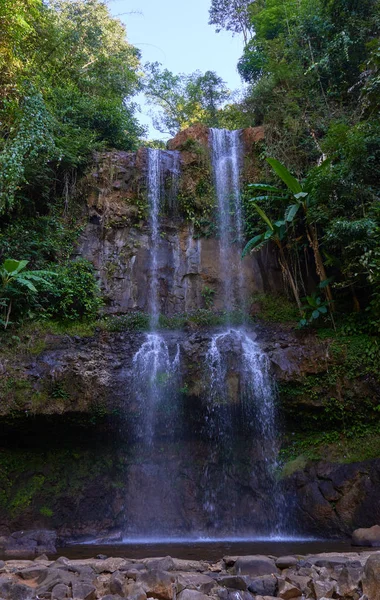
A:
x: 275, y: 308
x: 36, y: 479
x: 23, y: 497
x: 297, y: 464
x: 138, y: 321
x: 46, y: 511
x: 356, y: 444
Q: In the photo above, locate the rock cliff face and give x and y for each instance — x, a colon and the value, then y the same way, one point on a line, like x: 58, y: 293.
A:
x: 117, y: 237
x: 78, y: 465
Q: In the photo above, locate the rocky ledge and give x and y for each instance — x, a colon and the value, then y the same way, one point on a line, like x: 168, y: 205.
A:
x: 346, y: 576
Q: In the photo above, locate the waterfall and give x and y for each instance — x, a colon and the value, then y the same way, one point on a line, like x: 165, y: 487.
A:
x: 154, y: 196
x: 213, y: 473
x: 246, y: 412
x: 154, y: 371
x: 226, y: 156
x: 244, y: 403
x: 151, y: 363
x: 153, y: 376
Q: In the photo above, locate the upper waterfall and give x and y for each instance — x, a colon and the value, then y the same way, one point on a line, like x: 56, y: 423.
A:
x: 158, y: 162
x: 226, y: 150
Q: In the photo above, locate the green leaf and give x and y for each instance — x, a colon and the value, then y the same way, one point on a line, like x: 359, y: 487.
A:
x: 14, y: 266
x: 290, y: 181
x: 26, y: 283
x: 322, y: 309
x: 252, y: 244
x: 301, y: 195
x: 264, y: 187
x: 315, y: 314
x: 324, y: 283
x: 264, y: 216
x: 291, y: 212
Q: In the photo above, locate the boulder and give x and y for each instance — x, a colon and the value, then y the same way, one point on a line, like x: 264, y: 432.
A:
x: 83, y: 591
x: 60, y: 591
x: 110, y: 565
x: 53, y: 578
x: 236, y: 582
x: 301, y: 581
x: 117, y: 583
x: 158, y: 584
x: 24, y: 544
x: 162, y: 564
x: 371, y: 577
x: 348, y: 581
x: 284, y: 562
x: 19, y: 591
x: 134, y: 592
x: 287, y: 590
x: 195, y: 581
x: 254, y: 566
x: 180, y: 564
x: 192, y: 595
x: 38, y: 574
x: 367, y: 536
x: 323, y: 588
x: 264, y: 586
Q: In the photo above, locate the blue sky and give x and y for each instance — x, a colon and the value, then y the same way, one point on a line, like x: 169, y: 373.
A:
x: 176, y: 33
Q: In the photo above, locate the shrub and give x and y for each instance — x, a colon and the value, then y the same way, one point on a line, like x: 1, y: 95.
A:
x: 74, y: 295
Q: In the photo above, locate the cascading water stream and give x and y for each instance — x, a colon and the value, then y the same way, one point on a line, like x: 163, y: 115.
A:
x: 251, y: 407
x: 226, y: 153
x: 247, y: 413
x: 154, y: 194
x: 152, y: 367
x: 154, y: 371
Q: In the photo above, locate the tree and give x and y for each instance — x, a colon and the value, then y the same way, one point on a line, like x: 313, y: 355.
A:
x: 301, y: 200
x: 232, y: 15
x: 275, y: 232
x: 67, y: 75
x: 15, y: 280
x: 184, y: 100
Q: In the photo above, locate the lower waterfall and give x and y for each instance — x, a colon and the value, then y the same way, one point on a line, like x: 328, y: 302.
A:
x: 240, y: 405
x: 204, y: 467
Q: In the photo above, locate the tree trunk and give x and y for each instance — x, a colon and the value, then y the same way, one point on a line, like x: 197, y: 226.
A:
x: 320, y: 267
x: 287, y: 272
x: 8, y: 314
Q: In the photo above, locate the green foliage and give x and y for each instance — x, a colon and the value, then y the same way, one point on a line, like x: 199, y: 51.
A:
x: 184, y: 100
x: 203, y: 317
x: 18, y: 284
x: 232, y: 16
x: 30, y: 142
x: 73, y: 295
x: 313, y: 308
x: 354, y: 445
x: 274, y: 308
x: 45, y: 511
x: 40, y: 240
x: 208, y: 294
x: 133, y: 321
x: 68, y: 75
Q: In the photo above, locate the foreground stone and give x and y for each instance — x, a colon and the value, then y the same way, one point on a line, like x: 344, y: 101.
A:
x: 367, y: 536
x: 24, y: 544
x: 346, y: 576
